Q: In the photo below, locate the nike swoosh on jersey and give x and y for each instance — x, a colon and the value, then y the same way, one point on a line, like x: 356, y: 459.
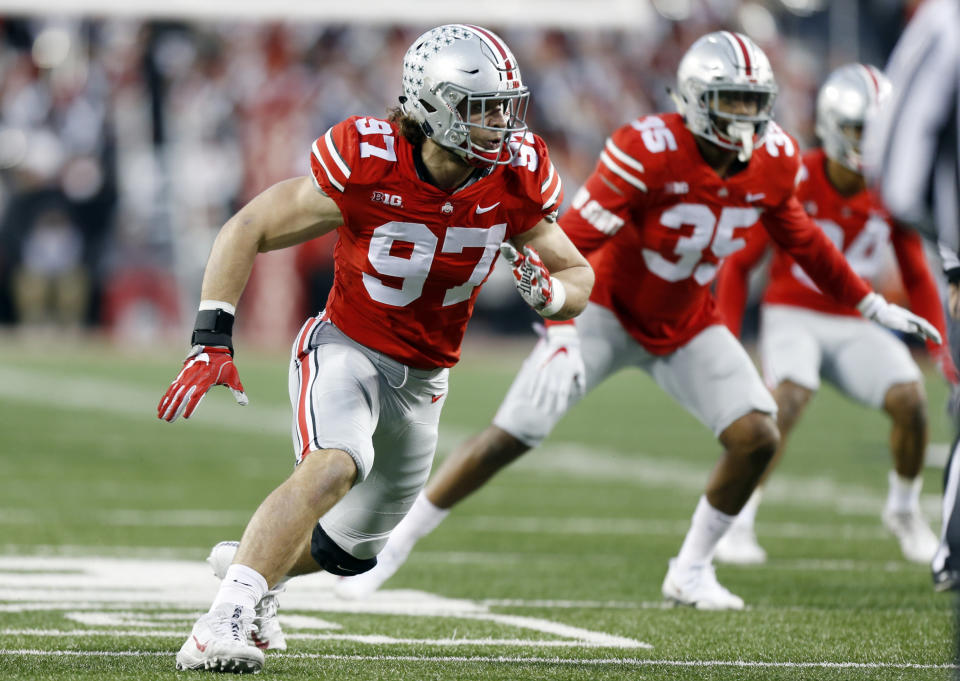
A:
x: 434, y: 398
x: 488, y: 208
x: 754, y: 197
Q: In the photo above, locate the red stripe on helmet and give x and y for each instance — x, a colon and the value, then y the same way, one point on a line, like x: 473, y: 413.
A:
x: 873, y: 80
x: 746, y: 53
x: 505, y: 55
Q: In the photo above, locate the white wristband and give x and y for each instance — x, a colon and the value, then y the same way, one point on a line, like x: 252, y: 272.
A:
x: 556, y: 303
x: 218, y: 305
x: 870, y: 305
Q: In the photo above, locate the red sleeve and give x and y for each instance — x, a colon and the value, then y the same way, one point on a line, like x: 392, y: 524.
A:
x: 793, y: 230
x: 546, y: 189
x: 332, y: 156
x: 535, y: 180
x: 922, y: 291
x: 599, y: 209
x: 733, y: 279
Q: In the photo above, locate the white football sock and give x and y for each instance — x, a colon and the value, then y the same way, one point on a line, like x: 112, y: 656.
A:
x: 240, y: 586
x: 904, y: 493
x: 747, y: 517
x: 421, y: 520
x: 706, y: 528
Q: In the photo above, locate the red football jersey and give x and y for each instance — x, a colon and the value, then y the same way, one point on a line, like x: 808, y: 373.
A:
x: 412, y: 257
x: 657, y: 221
x: 859, y: 226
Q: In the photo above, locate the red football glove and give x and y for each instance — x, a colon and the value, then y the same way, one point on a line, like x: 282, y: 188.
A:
x: 532, y: 278
x: 205, y: 367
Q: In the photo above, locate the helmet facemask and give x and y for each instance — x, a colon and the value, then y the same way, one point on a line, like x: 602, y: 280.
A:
x: 842, y: 144
x: 477, y: 135
x: 738, y: 116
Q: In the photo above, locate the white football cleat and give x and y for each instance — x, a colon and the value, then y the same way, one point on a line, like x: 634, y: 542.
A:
x: 698, y: 586
x: 268, y: 634
x: 362, y: 586
x: 740, y: 547
x: 220, y: 642
x: 917, y: 541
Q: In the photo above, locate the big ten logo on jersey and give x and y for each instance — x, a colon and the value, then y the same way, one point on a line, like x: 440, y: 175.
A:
x: 524, y: 154
x: 701, y: 250
x: 655, y: 134
x: 598, y: 216
x: 387, y: 198
x: 373, y: 128
x: 866, y: 253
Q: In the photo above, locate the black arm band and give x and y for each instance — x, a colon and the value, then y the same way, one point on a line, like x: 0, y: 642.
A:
x: 213, y: 327
x: 953, y: 275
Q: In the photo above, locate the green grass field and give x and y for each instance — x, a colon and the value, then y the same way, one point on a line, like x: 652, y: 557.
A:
x: 551, y: 572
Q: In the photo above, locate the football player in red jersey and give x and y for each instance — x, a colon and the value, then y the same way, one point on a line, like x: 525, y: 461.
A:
x: 671, y: 196
x: 423, y: 203
x: 805, y: 334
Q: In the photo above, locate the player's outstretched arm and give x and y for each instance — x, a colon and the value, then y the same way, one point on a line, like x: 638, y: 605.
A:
x: 796, y: 232
x: 734, y: 278
x: 551, y: 275
x: 288, y: 213
x: 875, y: 307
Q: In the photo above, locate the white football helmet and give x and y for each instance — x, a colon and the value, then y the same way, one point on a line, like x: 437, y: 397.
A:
x: 848, y: 99
x: 729, y: 66
x: 453, y: 71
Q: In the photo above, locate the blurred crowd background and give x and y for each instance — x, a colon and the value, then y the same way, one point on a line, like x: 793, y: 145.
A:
x: 126, y: 142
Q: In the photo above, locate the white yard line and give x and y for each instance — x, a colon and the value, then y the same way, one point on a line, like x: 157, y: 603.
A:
x: 190, y: 585
x: 499, y: 659
x: 370, y: 639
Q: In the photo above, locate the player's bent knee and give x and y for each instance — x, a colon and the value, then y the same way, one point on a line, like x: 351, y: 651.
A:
x: 791, y: 400
x: 754, y: 436
x: 334, y: 559
x: 907, y: 403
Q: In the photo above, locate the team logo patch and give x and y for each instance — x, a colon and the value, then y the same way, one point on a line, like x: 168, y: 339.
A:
x: 386, y: 198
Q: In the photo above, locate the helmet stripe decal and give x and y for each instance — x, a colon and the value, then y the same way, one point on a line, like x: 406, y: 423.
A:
x: 741, y: 50
x: 506, y: 59
x: 872, y: 80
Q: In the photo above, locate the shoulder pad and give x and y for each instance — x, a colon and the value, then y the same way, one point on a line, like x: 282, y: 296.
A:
x: 358, y: 150
x: 779, y: 155
x: 534, y: 173
x: 779, y: 144
x: 635, y: 153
